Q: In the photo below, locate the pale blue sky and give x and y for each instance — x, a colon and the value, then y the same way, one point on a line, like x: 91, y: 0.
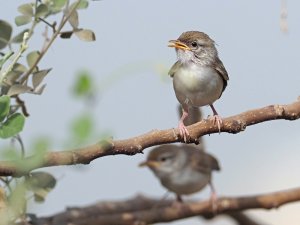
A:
x: 132, y: 36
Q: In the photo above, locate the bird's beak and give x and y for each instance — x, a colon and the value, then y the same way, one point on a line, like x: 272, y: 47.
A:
x: 151, y: 164
x: 178, y: 44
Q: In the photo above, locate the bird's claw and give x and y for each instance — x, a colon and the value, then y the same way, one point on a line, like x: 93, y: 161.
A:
x: 217, y: 120
x: 184, y: 133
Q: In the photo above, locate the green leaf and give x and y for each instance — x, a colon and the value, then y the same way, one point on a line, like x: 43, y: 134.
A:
x: 82, y: 128
x: 12, y: 126
x: 40, y: 195
x: 40, y: 90
x: 26, y: 9
x: 41, y: 145
x: 82, y: 5
x: 19, y: 68
x: 42, y: 10
x: 73, y: 19
x: 19, y: 37
x: 12, y: 77
x: 17, y: 71
x: 59, y: 3
x: 17, y: 89
x: 32, y: 57
x: 38, y: 77
x: 41, y: 180
x: 22, y: 20
x: 4, y: 106
x: 5, y: 33
x: 40, y: 183
x: 56, y: 6
x: 83, y: 84
x: 85, y: 35
x: 10, y: 153
x: 17, y: 200
x: 5, y: 58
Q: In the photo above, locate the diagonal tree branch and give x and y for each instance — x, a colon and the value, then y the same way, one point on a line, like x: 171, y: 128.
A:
x: 132, y: 146
x: 142, y: 210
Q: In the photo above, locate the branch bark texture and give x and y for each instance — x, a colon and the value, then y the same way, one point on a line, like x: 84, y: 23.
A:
x: 142, y: 210
x: 132, y: 146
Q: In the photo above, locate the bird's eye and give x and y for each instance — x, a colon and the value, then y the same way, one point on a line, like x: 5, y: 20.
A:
x: 163, y: 159
x: 194, y: 44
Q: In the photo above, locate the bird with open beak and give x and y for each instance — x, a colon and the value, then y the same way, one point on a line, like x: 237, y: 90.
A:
x: 199, y: 76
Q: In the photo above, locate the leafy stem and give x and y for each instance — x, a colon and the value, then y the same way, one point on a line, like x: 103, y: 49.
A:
x: 5, y: 58
x: 34, y: 23
x: 54, y: 36
x: 23, y: 48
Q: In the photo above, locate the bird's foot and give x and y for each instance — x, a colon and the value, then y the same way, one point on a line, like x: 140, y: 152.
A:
x: 184, y: 133
x: 217, y: 120
x: 178, y: 202
x: 176, y: 205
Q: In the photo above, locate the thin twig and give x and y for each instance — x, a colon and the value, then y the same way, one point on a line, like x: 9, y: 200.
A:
x: 54, y: 36
x: 19, y: 139
x: 21, y: 104
x: 48, y: 24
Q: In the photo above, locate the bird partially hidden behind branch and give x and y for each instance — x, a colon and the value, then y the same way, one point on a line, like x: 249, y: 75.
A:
x: 184, y: 169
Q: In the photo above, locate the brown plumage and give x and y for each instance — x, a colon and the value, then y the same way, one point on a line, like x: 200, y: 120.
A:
x: 199, y: 76
x: 182, y: 169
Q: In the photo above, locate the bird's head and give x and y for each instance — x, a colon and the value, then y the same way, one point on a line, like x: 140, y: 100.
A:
x: 164, y: 160
x: 194, y: 46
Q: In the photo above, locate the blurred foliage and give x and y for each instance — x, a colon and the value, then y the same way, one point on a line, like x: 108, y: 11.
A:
x: 13, y: 205
x: 40, y: 145
x: 20, y: 74
x: 16, y: 192
x: 83, y: 86
x: 17, y: 202
x: 81, y: 128
x: 40, y: 184
x: 10, y: 153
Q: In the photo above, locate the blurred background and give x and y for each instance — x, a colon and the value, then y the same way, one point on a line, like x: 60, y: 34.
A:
x: 129, y: 62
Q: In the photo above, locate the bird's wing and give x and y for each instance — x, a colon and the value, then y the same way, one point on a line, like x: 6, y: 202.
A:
x: 219, y: 67
x: 174, y: 68
x: 204, y: 162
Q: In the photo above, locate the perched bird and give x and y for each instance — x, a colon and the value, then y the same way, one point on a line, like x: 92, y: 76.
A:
x: 182, y: 169
x: 199, y: 76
